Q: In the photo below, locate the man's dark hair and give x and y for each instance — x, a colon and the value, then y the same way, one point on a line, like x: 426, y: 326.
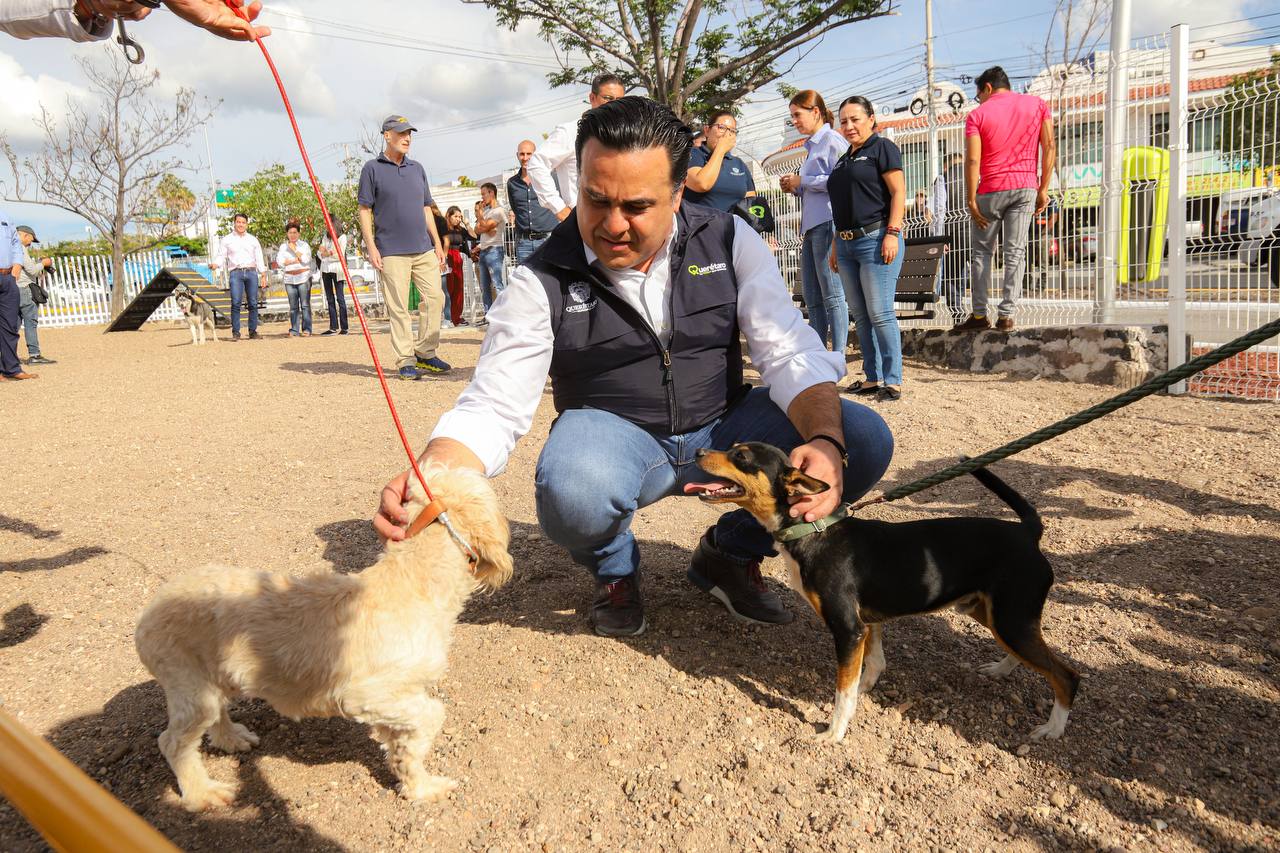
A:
x: 490, y: 187
x: 715, y: 115
x: 634, y: 123
x: 243, y: 216
x: 605, y: 79
x: 292, y: 224
x: 995, y: 76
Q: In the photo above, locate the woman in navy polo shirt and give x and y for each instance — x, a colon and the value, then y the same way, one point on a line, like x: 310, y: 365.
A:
x: 868, y: 197
x: 717, y: 178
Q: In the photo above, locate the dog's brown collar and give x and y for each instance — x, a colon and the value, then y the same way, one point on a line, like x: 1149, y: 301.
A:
x: 435, y: 511
x: 806, y: 528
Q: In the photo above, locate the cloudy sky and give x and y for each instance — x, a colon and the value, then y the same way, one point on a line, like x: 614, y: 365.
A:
x: 476, y: 90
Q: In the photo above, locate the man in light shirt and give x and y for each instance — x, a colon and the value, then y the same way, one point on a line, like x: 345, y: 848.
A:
x: 491, y: 221
x: 241, y: 253
x: 556, y: 156
x: 634, y: 307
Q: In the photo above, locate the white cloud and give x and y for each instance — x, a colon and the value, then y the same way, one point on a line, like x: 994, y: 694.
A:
x: 1150, y: 17
x: 24, y: 97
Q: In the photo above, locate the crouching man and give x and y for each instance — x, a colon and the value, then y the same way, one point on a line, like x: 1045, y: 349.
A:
x: 634, y: 307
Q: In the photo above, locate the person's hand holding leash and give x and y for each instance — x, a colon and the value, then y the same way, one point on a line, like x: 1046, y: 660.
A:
x: 821, y: 460
x: 391, y: 519
x: 217, y: 17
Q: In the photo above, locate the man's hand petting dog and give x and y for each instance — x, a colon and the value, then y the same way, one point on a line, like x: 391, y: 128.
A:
x: 391, y: 519
x: 820, y: 460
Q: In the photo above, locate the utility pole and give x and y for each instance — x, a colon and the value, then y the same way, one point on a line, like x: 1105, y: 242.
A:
x: 1116, y: 140
x: 930, y: 101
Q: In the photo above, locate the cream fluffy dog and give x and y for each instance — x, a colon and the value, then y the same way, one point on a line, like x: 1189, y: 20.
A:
x: 365, y: 646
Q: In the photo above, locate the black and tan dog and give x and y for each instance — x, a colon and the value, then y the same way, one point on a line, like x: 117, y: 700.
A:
x: 858, y: 573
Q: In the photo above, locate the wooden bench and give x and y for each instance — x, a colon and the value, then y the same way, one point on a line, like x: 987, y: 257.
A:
x: 916, y: 280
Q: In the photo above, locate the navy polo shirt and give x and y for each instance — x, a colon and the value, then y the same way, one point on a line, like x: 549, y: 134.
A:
x: 859, y: 195
x: 731, y: 186
x: 396, y: 194
x: 530, y: 214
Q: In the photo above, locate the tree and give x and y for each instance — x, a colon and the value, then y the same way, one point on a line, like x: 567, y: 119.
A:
x: 689, y: 54
x: 272, y: 197
x: 177, y: 202
x: 1248, y: 130
x: 106, y: 163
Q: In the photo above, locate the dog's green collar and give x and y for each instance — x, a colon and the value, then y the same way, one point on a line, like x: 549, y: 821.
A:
x: 807, y: 528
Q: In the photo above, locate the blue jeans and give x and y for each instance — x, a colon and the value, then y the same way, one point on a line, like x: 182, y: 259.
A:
x: 30, y: 313
x: 490, y: 268
x: 823, y: 295
x: 526, y: 247
x: 870, y: 284
x: 597, y: 469
x: 244, y: 286
x: 299, y: 306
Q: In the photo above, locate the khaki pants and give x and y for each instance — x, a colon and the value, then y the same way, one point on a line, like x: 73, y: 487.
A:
x: 423, y: 270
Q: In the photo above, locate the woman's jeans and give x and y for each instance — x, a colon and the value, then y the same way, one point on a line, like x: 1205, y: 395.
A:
x: 823, y: 295
x: 299, y: 307
x: 335, y: 299
x: 869, y: 284
x: 597, y: 469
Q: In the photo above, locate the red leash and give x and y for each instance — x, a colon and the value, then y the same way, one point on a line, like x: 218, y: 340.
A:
x: 434, y: 509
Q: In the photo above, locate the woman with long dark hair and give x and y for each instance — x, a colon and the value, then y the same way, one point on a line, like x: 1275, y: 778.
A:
x: 333, y: 279
x: 868, y: 198
x: 823, y: 295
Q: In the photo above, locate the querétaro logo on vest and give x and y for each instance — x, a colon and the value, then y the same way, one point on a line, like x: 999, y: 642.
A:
x: 580, y: 293
x: 694, y: 269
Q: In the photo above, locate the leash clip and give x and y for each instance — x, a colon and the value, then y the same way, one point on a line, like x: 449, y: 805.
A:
x: 133, y: 51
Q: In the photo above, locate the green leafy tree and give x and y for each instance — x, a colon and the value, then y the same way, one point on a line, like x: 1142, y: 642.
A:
x: 273, y: 196
x: 1248, y: 129
x: 176, y: 202
x: 689, y: 54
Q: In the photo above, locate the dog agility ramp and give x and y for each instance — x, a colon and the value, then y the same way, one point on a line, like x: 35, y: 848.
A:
x: 159, y: 289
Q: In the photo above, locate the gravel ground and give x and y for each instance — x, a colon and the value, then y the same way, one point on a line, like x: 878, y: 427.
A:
x: 139, y: 456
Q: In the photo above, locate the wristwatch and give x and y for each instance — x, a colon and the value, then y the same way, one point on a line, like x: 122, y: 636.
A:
x: 150, y: 4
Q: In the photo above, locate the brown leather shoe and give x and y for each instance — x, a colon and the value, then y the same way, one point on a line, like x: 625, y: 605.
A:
x: 20, y: 375
x: 1004, y: 324
x: 973, y: 324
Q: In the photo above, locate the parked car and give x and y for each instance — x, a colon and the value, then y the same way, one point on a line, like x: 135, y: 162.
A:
x: 1235, y: 210
x: 1086, y: 243
x: 1263, y: 237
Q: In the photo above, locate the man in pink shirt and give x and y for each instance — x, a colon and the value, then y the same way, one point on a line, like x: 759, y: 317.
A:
x: 1004, y: 139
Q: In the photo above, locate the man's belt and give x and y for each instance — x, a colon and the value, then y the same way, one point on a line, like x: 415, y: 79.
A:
x: 532, y: 235
x: 860, y: 231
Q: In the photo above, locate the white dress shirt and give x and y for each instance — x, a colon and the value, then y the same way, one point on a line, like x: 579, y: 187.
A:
x: 241, y: 252
x: 556, y: 156
x: 295, y: 262
x: 27, y: 19
x: 496, y: 409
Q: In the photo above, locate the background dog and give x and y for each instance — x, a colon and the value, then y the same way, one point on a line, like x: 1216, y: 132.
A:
x: 859, y: 573
x: 197, y: 313
x: 364, y: 646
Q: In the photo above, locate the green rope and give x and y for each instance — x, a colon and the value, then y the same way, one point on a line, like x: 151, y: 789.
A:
x: 1106, y: 407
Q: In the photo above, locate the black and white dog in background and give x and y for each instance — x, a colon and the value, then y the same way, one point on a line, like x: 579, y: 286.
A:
x: 197, y: 313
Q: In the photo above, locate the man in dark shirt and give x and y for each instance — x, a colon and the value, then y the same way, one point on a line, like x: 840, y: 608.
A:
x: 400, y: 234
x: 533, y: 221
x: 716, y: 177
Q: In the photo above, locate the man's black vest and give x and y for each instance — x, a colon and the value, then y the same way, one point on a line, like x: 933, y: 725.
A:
x: 607, y: 357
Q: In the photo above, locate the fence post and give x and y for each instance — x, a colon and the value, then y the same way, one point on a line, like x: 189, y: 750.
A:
x: 1179, y: 55
x: 1116, y: 136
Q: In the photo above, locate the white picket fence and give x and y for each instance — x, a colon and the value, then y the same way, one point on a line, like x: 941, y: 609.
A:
x: 80, y: 288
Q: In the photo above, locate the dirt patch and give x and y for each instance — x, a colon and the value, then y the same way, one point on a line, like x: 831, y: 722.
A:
x: 139, y: 456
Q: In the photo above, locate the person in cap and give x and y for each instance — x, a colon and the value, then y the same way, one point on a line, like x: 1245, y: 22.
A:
x: 400, y: 234
x: 10, y: 269
x: 28, y: 310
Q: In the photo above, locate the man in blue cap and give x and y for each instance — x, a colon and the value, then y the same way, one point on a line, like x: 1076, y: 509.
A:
x: 400, y: 236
